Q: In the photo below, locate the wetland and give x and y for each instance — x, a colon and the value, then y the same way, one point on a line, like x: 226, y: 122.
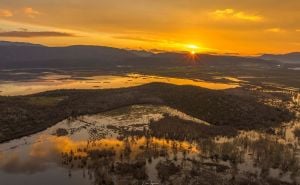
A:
x: 141, y: 128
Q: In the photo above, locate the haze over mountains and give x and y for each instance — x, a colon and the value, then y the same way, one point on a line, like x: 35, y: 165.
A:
x: 27, y: 55
x: 7, y: 43
x: 287, y: 58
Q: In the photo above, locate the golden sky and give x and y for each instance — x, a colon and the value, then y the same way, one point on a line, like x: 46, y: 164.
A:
x: 218, y: 26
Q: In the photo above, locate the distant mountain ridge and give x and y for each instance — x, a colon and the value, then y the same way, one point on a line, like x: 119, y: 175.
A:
x: 27, y: 55
x: 289, y: 57
x: 7, y: 43
x: 33, y: 56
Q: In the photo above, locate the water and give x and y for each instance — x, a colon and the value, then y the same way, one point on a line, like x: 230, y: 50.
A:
x: 116, y: 147
x: 295, y: 68
x: 54, y: 81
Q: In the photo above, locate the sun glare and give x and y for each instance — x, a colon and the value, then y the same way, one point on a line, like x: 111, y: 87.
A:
x: 192, y: 46
x: 193, y: 49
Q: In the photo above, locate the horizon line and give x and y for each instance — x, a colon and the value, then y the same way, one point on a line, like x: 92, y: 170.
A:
x: 154, y: 50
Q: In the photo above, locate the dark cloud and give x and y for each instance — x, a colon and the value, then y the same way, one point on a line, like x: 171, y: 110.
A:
x: 27, y: 34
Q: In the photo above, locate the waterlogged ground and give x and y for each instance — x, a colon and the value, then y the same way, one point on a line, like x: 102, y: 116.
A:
x: 139, y: 145
x: 48, y: 82
x: 119, y: 147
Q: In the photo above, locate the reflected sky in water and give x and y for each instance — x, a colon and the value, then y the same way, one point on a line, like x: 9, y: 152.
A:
x: 116, y: 147
x: 53, y: 82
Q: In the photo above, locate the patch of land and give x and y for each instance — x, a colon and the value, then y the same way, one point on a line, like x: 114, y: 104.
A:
x: 24, y: 115
x: 177, y: 129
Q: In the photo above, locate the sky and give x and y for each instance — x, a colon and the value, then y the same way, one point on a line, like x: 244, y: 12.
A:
x: 246, y: 27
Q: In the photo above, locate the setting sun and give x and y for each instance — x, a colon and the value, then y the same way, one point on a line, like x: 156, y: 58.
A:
x: 193, y: 49
x: 149, y: 92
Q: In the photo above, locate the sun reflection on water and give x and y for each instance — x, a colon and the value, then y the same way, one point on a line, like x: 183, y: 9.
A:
x: 53, y: 82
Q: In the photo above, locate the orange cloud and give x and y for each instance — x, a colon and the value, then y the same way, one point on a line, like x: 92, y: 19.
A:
x: 237, y: 15
x: 140, y: 39
x: 31, y: 12
x: 5, y: 13
x: 28, y: 34
x: 275, y: 30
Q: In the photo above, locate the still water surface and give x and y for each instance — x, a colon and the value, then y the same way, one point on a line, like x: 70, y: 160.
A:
x: 53, y: 82
x: 109, y: 147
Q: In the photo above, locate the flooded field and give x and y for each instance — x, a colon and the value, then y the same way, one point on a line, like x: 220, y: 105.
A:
x: 53, y: 81
x: 142, y: 143
x: 121, y: 147
x: 295, y: 68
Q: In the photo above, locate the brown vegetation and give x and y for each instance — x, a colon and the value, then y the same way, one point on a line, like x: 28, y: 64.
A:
x: 20, y: 117
x: 176, y: 128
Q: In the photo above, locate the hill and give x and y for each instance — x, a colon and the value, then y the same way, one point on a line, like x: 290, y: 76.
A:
x: 7, y: 43
x: 23, y: 115
x: 287, y: 58
x: 26, y: 55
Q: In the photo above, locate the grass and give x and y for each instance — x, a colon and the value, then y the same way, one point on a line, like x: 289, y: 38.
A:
x: 45, y: 101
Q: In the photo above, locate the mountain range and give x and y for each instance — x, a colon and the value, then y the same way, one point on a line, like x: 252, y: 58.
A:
x: 286, y: 58
x: 27, y: 55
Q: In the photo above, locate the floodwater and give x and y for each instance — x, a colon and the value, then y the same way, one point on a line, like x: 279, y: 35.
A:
x: 295, y: 68
x: 116, y: 148
x: 54, y: 81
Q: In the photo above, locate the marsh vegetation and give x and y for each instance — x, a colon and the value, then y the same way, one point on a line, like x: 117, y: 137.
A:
x: 137, y: 144
x: 158, y: 132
